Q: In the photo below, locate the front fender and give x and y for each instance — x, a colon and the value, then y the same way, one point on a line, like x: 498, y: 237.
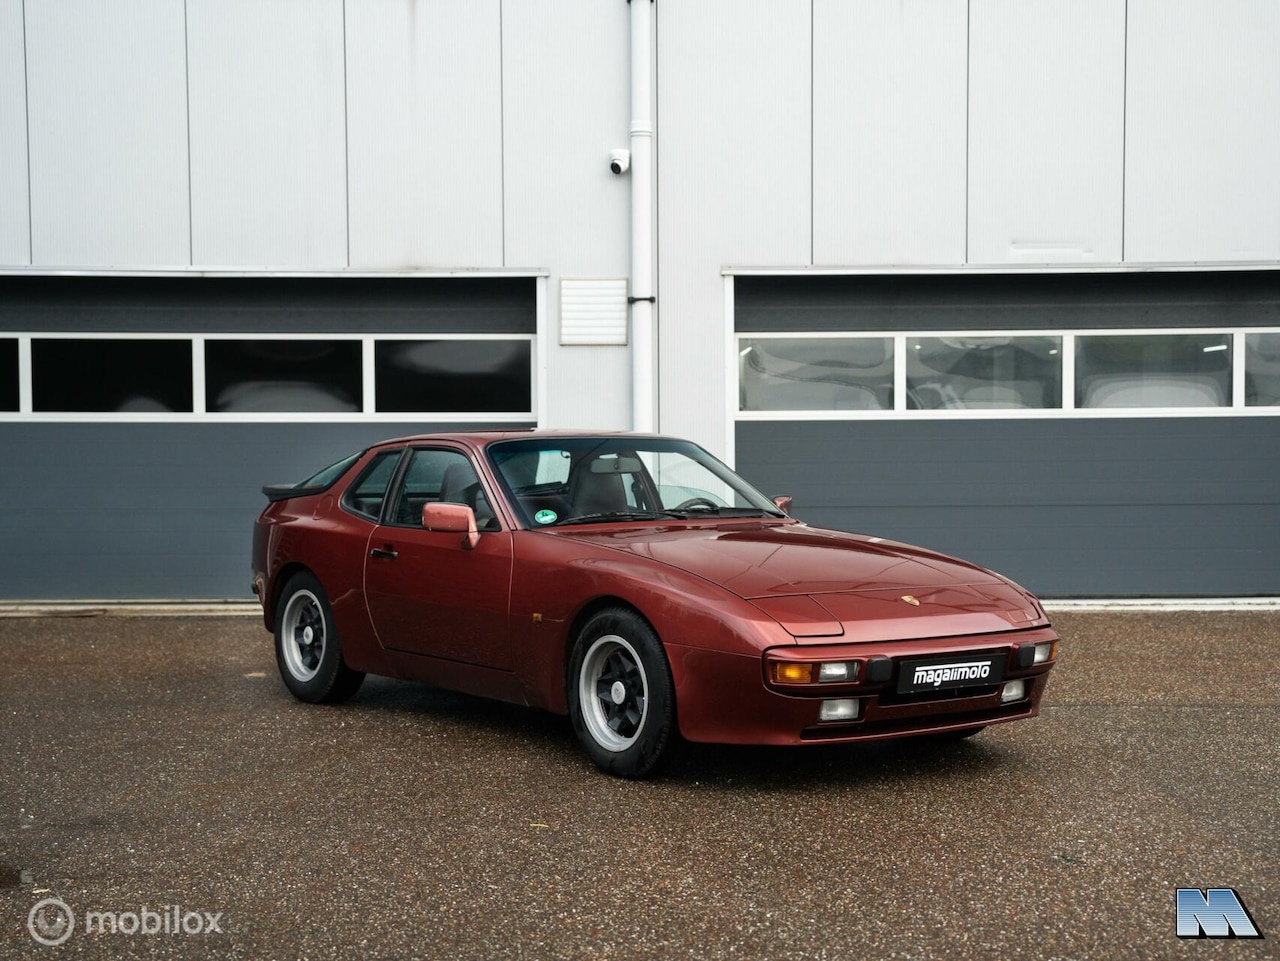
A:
x: 551, y: 589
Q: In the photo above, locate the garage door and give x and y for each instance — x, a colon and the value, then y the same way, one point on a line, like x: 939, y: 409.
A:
x: 139, y: 417
x: 1088, y: 435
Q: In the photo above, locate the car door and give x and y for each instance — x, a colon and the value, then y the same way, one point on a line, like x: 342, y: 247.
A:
x: 427, y: 592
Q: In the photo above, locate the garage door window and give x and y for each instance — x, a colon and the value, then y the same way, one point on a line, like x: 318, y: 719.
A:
x: 282, y: 375
x: 1262, y: 370
x: 816, y: 373
x: 984, y: 373
x: 101, y: 375
x: 149, y: 377
x: 448, y: 375
x: 1022, y: 373
x: 1167, y: 370
x: 9, y: 373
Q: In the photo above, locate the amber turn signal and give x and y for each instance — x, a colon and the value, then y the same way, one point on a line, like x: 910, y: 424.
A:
x: 791, y: 672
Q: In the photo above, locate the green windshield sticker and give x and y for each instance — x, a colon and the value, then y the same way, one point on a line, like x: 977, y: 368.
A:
x: 545, y: 517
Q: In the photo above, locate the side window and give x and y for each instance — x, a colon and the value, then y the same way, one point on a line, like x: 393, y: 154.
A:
x: 369, y: 490
x: 441, y: 475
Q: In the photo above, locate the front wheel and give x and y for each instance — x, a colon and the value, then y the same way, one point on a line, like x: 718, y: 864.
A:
x: 621, y: 697
x: 307, y: 650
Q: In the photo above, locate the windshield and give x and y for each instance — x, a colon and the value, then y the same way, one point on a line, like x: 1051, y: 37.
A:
x: 558, y: 481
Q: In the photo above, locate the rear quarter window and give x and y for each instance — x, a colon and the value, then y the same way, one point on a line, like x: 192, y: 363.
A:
x: 368, y: 492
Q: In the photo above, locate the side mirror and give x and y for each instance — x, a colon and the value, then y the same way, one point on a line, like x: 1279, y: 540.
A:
x: 452, y: 519
x: 783, y: 503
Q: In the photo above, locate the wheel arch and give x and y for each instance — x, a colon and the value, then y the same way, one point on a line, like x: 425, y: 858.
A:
x: 271, y: 611
x: 579, y: 621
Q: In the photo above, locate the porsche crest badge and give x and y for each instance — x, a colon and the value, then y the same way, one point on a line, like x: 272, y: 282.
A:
x: 914, y: 602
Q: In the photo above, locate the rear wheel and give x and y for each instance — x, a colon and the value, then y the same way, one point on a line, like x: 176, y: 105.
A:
x: 621, y: 697
x: 308, y: 652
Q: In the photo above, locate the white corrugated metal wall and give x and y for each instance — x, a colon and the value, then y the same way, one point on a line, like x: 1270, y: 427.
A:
x: 323, y: 135
x: 953, y: 133
x: 318, y: 134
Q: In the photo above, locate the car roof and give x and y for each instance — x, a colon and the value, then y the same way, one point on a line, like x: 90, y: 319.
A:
x: 483, y: 438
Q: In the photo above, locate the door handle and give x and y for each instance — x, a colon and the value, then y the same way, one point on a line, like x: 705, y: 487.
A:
x: 386, y: 552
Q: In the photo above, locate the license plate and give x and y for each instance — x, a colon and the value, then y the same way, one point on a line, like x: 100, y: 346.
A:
x: 947, y: 674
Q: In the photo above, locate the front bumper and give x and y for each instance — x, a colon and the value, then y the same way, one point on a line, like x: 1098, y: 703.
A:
x: 727, y: 699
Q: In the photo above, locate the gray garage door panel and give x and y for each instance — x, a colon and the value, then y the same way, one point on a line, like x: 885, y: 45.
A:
x: 310, y: 305
x: 156, y: 510
x: 1080, y: 507
x: 1007, y: 301
x: 151, y: 510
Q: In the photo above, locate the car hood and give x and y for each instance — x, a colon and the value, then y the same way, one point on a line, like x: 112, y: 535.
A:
x: 824, y: 584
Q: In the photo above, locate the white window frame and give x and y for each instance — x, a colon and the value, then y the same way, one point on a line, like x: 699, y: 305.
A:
x: 199, y: 414
x: 1068, y: 409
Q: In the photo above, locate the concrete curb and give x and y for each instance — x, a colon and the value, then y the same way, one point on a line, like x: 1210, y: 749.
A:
x: 130, y: 609
x: 215, y: 608
x: 1164, y: 604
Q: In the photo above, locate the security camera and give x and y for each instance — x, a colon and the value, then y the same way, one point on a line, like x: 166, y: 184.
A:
x: 619, y: 161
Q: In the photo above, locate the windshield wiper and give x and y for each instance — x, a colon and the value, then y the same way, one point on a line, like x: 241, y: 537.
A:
x: 704, y: 511
x: 617, y: 516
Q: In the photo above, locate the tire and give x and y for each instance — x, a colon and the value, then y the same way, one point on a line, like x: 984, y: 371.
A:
x: 621, y: 697
x: 308, y: 652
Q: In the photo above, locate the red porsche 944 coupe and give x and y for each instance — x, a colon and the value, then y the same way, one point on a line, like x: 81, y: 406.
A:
x: 638, y: 585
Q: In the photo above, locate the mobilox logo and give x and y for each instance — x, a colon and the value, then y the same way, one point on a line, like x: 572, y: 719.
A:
x: 51, y: 921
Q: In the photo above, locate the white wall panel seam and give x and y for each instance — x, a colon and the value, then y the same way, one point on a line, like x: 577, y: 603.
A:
x: 1124, y: 137
x: 813, y: 147
x: 186, y: 67
x: 346, y: 131
x: 968, y: 111
x: 502, y: 152
x: 26, y: 106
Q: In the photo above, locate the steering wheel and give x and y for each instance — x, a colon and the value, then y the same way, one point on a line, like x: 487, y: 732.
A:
x: 697, y: 502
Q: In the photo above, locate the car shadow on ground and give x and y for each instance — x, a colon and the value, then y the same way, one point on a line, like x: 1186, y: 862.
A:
x: 804, y: 767
x: 705, y: 765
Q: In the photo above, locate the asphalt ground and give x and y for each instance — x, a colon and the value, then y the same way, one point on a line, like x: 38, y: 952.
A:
x: 154, y: 764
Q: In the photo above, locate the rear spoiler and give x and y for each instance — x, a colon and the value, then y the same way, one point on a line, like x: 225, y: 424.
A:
x: 282, y: 492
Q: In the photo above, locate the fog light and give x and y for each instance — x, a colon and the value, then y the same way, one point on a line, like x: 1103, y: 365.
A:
x: 830, y: 671
x: 844, y: 709
x: 1013, y: 691
x: 791, y: 672
x: 1045, y: 652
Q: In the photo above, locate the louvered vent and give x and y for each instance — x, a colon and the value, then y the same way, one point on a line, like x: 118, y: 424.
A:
x: 593, y: 312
